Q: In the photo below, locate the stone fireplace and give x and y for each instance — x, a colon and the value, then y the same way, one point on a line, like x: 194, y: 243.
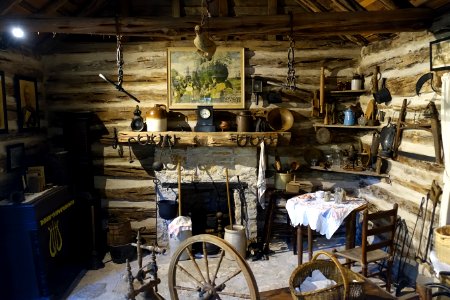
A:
x: 203, y: 186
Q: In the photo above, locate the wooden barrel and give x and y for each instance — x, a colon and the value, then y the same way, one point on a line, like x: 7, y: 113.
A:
x: 119, y: 233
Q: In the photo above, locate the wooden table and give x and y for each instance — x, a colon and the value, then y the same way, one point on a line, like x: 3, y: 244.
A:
x: 350, y: 233
x: 371, y: 290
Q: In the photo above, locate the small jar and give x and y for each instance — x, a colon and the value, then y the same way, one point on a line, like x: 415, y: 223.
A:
x: 356, y: 83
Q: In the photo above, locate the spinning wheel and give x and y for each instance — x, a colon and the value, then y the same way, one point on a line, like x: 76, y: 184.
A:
x: 210, y: 277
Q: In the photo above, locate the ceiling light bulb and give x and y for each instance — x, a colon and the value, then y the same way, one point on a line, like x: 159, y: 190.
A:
x: 17, y: 32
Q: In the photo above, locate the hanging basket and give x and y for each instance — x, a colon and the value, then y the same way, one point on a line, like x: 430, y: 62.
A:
x: 349, y: 285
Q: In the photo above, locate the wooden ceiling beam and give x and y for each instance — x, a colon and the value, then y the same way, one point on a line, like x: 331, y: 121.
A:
x: 324, y: 24
x: 6, y: 6
x: 52, y: 7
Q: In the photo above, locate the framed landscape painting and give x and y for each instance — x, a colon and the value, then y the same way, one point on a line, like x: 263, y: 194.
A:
x: 193, y: 80
x: 3, y: 108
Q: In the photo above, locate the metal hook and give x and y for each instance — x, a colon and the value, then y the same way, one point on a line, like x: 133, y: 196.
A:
x: 239, y: 140
x: 145, y: 142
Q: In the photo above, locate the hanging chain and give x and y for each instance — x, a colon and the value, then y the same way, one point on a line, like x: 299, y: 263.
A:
x: 290, y: 79
x: 205, y: 16
x: 119, y: 59
x: 119, y: 55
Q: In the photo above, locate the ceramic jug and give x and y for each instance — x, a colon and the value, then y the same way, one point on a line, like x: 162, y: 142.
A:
x: 349, y: 117
x: 156, y: 118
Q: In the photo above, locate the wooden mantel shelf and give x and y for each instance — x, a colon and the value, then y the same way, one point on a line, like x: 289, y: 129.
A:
x: 207, y: 139
x: 346, y: 126
x: 340, y: 170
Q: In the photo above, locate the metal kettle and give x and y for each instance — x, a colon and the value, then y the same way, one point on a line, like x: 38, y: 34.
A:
x: 349, y: 117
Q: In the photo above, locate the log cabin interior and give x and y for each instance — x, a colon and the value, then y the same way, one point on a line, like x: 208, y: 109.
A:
x: 112, y: 111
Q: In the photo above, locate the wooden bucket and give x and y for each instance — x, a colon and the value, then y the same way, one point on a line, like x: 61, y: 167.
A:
x: 442, y: 243
x: 119, y: 233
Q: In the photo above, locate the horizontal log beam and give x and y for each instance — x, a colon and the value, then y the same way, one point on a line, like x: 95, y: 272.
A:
x: 323, y: 24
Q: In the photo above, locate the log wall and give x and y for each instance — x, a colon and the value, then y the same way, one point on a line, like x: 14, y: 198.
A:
x: 12, y: 64
x: 402, y: 61
x: 72, y: 83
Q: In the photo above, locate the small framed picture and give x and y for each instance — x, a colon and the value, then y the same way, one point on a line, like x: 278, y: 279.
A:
x: 3, y: 108
x: 15, y: 157
x: 440, y: 54
x: 27, y: 102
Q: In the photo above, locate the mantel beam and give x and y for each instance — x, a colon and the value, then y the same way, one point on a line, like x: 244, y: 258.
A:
x: 323, y: 24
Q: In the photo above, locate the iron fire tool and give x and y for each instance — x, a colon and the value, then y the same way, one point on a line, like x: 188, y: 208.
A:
x: 244, y: 214
x: 435, y: 194
x: 419, y: 256
x: 404, y: 281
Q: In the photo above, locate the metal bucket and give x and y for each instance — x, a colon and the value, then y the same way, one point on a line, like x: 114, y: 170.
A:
x: 167, y: 209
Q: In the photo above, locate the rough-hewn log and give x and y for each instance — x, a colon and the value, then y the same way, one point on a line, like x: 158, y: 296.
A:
x: 325, y: 23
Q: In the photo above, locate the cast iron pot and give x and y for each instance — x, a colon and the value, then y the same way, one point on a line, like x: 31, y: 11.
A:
x: 168, y: 209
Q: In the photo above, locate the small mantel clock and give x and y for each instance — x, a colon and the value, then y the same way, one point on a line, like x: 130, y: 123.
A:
x: 205, y: 119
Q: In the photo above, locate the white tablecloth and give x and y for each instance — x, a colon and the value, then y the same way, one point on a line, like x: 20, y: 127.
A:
x: 324, y: 217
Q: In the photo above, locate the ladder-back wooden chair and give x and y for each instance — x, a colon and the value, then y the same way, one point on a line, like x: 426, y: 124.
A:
x: 378, y: 227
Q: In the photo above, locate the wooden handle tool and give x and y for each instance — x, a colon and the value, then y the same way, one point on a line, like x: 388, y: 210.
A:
x: 322, y: 89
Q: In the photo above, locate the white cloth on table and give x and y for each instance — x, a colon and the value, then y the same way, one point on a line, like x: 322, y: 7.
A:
x: 438, y: 265
x: 316, y: 281
x: 324, y: 217
x: 179, y: 224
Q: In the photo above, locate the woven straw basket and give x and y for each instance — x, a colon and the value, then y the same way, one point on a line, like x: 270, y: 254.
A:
x: 350, y: 285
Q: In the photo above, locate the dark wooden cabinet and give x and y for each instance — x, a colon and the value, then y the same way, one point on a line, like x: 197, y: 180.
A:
x: 42, y: 245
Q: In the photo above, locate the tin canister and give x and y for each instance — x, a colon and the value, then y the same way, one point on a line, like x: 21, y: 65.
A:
x: 244, y: 121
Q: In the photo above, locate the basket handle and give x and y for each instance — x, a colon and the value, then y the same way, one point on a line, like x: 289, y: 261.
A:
x: 338, y: 265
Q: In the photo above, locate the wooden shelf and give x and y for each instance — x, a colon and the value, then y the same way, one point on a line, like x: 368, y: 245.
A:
x: 347, y: 92
x: 346, y: 126
x: 340, y: 170
x: 208, y: 139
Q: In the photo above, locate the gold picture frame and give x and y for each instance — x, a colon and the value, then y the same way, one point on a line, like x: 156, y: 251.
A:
x: 440, y: 54
x: 3, y: 107
x: 192, y: 80
x: 27, y: 102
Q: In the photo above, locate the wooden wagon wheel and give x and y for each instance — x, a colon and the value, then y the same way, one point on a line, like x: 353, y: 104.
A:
x: 210, y: 277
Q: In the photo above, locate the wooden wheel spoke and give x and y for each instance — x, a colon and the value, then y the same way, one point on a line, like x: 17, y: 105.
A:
x: 205, y: 256
x: 184, y: 271
x: 239, y: 295
x: 185, y: 288
x: 222, y: 255
x: 230, y: 277
x: 195, y: 264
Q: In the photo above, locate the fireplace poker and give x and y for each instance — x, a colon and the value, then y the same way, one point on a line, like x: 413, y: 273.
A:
x: 179, y: 187
x: 228, y: 198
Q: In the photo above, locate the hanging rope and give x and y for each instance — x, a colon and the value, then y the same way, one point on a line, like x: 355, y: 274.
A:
x: 290, y: 79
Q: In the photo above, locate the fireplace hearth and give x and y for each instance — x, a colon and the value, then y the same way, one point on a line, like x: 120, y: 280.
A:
x: 201, y: 201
